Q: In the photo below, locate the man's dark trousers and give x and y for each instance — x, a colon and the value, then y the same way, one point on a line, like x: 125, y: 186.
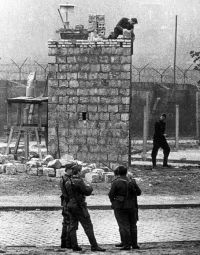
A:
x: 81, y: 215
x: 157, y: 144
x: 65, y: 237
x: 127, y: 220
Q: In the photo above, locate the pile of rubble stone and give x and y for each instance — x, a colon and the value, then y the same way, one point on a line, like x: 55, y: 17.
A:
x: 54, y: 168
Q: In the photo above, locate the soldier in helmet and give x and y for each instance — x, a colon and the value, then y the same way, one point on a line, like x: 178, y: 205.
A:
x: 65, y: 238
x: 77, y: 191
x: 123, y: 196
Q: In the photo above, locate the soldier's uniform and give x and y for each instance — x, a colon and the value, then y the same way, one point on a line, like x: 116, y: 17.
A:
x: 65, y: 237
x: 77, y: 191
x: 123, y: 196
x: 159, y: 141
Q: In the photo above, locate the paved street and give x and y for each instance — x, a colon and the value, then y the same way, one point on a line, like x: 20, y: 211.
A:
x: 44, y: 227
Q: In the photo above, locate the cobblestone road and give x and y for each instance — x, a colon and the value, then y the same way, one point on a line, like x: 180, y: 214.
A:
x: 44, y: 227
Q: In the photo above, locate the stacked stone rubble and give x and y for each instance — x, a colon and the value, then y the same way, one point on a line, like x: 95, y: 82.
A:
x: 89, y: 91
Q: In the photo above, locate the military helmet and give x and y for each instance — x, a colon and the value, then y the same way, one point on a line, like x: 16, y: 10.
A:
x: 69, y: 165
x: 76, y: 169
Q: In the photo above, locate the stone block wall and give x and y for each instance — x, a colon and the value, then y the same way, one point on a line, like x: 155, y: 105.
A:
x: 89, y: 96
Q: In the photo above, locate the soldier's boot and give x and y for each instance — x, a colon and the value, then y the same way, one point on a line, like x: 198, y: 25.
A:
x: 94, y: 246
x: 134, y: 242
x: 74, y: 241
x: 66, y: 243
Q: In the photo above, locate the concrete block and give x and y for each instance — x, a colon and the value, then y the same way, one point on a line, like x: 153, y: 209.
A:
x: 102, y: 108
x: 63, y: 68
x: 92, y: 177
x: 9, y: 157
x: 2, y: 168
x: 10, y: 169
x: 2, y: 158
x: 115, y: 59
x: 124, y: 116
x: 21, y: 168
x: 105, y: 68
x: 84, y: 67
x: 46, y: 171
x: 125, y: 100
x: 93, y: 76
x: 40, y: 171
x: 100, y: 172
x: 53, y: 83
x: 125, y: 59
x: 109, y: 177
x: 61, y: 59
x: 33, y: 171
x: 85, y: 170
x: 125, y: 75
x: 62, y: 76
x: 33, y: 163
x: 104, y: 59
x: 95, y: 68
x: 71, y: 60
x: 102, y: 76
x: 73, y: 84
x: 112, y: 108
x: 126, y: 68
x: 72, y: 76
x: 82, y: 59
x: 65, y: 162
x: 54, y: 164
x: 92, y: 166
x: 49, y: 158
x: 60, y: 172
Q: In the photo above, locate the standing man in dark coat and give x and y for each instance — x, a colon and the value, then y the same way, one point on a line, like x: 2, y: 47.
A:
x: 65, y: 237
x: 159, y: 141
x: 124, y: 23
x: 123, y: 196
x: 77, y: 190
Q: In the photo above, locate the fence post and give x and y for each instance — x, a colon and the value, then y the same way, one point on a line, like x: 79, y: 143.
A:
x: 177, y: 128
x: 197, y: 115
x: 145, y: 133
x: 148, y: 111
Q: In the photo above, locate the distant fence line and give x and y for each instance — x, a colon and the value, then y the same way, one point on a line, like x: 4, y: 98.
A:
x: 20, y: 71
x: 145, y: 73
x: 148, y: 73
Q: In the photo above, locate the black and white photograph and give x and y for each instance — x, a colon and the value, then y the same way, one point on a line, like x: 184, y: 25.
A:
x: 99, y: 127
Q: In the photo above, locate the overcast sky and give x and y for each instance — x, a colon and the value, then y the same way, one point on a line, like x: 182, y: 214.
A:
x: 26, y: 26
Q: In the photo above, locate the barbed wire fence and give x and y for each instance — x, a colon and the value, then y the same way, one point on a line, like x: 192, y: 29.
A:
x: 15, y: 71
x: 146, y: 73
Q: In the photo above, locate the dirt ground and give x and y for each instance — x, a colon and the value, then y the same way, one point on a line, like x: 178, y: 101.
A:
x: 175, y: 181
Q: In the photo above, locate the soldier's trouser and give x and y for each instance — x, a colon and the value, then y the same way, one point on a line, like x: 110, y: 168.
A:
x: 65, y: 236
x: 117, y: 32
x: 166, y: 150
x: 127, y: 220
x: 81, y: 215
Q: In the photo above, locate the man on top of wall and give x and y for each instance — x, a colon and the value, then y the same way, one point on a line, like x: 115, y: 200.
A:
x: 124, y: 23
